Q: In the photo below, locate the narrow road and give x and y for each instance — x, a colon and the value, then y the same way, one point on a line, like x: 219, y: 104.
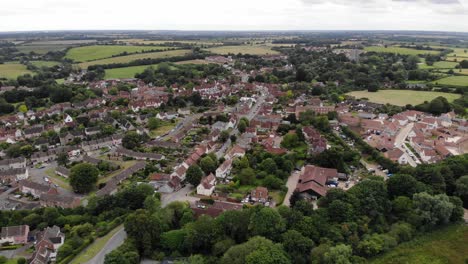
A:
x: 114, y: 242
x: 119, y: 237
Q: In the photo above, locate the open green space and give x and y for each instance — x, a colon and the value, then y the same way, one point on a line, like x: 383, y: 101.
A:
x: 402, y: 97
x: 40, y: 49
x: 444, y: 246
x: 91, y: 251
x: 439, y: 65
x: 126, y: 72
x: 453, y: 81
x: 95, y: 52
x: 244, y: 49
x: 57, y: 179
x: 13, y: 70
x: 133, y: 57
x: 399, y: 50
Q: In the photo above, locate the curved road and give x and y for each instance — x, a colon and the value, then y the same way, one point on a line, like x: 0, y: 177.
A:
x: 116, y: 240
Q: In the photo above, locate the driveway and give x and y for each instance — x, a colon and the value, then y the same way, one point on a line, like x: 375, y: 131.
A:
x: 291, y: 184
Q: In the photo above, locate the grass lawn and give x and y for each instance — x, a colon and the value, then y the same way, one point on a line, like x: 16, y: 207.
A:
x: 126, y: 72
x: 123, y: 166
x: 91, y: 251
x: 402, y: 97
x: 447, y: 245
x: 44, y: 63
x: 95, y: 52
x: 59, y: 180
x: 129, y: 58
x: 12, y: 261
x: 278, y: 196
x: 453, y: 80
x: 13, y: 70
x: 244, y: 49
x: 399, y: 50
x: 60, y: 81
x: 162, y: 130
x: 439, y: 65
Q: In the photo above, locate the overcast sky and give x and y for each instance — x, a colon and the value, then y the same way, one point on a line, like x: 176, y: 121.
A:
x: 445, y: 15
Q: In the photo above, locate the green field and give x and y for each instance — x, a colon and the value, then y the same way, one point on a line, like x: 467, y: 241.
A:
x: 159, y: 42
x: 13, y: 70
x: 439, y: 65
x: 402, y: 97
x: 453, y: 81
x: 96, y: 52
x: 129, y: 58
x: 399, y: 50
x: 445, y: 246
x: 244, y: 49
x: 40, y: 49
x: 44, y: 63
x: 126, y: 72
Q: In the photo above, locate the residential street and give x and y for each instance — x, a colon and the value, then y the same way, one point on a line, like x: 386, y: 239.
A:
x: 403, y: 134
x: 119, y: 237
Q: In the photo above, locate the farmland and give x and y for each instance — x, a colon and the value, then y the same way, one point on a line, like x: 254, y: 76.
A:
x: 453, y: 81
x: 244, y: 49
x: 13, y: 70
x: 129, y: 58
x: 96, y: 52
x: 399, y: 50
x: 447, y: 245
x: 439, y: 65
x: 162, y: 42
x: 401, y: 97
x: 126, y: 72
x: 40, y: 49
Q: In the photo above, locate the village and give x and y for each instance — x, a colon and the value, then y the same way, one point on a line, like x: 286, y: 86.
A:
x: 216, y: 142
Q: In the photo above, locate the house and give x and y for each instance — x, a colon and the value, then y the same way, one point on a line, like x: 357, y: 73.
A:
x: 317, y: 143
x: 207, y: 185
x: 62, y: 171
x: 259, y: 195
x: 33, y: 131
x: 138, y: 155
x: 224, y: 170
x: 48, y: 242
x: 12, y: 175
x: 35, y: 189
x: 158, y: 179
x: 235, y: 152
x: 313, y: 181
x: 56, y: 200
x: 89, y: 131
x: 14, y: 234
x: 16, y: 163
x: 397, y: 155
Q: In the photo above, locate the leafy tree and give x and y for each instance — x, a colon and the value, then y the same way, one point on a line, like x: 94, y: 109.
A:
x: 131, y: 140
x: 145, y: 229
x: 247, y: 176
x: 273, y: 255
x: 237, y: 254
x: 194, y: 175
x: 62, y: 159
x: 208, y: 165
x: 266, y: 222
x: 461, y: 189
x: 339, y: 254
x: 153, y: 123
x: 83, y: 177
x: 432, y: 210
x: 297, y: 246
x: 224, y: 135
x: 290, y: 141
x: 402, y: 185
